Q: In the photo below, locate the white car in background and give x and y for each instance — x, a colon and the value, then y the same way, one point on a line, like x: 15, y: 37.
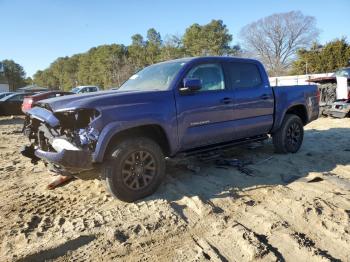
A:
x: 3, y: 94
x: 85, y: 89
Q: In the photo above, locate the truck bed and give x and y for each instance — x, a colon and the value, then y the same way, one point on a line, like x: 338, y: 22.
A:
x: 296, y: 95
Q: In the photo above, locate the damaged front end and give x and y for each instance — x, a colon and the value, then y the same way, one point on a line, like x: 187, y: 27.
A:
x: 64, y: 140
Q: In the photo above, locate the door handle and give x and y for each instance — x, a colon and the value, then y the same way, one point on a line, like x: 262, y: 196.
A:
x: 226, y: 100
x: 265, y: 96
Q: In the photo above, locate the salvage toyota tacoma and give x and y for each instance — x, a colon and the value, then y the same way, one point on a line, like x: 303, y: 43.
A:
x: 174, y: 108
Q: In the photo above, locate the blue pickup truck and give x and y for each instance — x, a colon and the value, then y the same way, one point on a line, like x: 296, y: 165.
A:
x: 179, y: 107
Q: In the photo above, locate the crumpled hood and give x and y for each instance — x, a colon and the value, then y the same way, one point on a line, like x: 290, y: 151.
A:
x: 91, y: 100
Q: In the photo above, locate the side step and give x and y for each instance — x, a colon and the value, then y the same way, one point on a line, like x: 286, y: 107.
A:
x: 220, y: 146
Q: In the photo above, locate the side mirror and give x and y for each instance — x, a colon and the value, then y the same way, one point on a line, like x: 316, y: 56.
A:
x: 191, y: 85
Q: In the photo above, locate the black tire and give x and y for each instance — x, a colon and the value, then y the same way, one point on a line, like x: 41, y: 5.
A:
x: 289, y: 137
x: 133, y: 169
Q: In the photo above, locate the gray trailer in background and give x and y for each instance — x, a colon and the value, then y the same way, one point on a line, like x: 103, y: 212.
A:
x: 334, y: 93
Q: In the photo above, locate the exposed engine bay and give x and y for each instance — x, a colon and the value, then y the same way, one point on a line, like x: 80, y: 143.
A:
x: 65, y: 139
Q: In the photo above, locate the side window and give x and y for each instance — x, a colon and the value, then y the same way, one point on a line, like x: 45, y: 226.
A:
x: 211, y: 76
x: 16, y: 98
x: 244, y: 75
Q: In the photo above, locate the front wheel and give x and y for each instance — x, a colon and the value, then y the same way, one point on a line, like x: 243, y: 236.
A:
x: 134, y: 169
x: 289, y: 137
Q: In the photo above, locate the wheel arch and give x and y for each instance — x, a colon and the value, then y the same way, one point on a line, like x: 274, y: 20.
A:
x: 300, y: 111
x: 151, y: 131
x: 297, y: 109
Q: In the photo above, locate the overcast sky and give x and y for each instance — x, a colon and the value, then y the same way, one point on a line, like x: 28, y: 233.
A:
x: 34, y: 33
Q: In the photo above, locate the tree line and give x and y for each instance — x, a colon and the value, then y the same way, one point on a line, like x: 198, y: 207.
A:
x: 110, y: 65
x: 13, y: 74
x: 320, y: 59
x: 286, y: 43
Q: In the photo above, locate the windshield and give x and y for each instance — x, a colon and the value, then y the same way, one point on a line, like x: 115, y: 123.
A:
x: 154, y: 77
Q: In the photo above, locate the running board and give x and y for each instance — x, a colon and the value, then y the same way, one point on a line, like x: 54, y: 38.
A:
x: 221, y: 146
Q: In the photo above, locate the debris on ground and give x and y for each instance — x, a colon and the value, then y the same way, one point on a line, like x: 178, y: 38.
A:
x: 316, y: 179
x: 193, y: 168
x: 209, y: 156
x: 58, y: 181
x: 236, y: 163
x: 255, y: 145
x: 263, y: 160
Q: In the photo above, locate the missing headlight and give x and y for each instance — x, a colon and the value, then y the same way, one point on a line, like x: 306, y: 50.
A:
x: 77, y: 119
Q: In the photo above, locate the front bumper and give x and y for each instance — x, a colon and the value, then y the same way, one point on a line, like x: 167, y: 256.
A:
x: 337, y: 113
x: 339, y: 109
x: 71, y: 161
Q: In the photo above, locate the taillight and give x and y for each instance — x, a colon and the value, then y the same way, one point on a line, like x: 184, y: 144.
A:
x: 318, y: 95
x: 28, y: 101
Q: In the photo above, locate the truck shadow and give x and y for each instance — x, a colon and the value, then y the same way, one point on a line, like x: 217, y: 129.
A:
x: 321, y: 152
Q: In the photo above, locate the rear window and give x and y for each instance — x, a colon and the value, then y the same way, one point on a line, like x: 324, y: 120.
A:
x: 244, y: 75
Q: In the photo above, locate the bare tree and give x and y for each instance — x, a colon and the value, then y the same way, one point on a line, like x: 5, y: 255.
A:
x: 276, y: 38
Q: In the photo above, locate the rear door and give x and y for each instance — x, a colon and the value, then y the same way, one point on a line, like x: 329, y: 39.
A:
x: 253, y: 98
x: 205, y: 116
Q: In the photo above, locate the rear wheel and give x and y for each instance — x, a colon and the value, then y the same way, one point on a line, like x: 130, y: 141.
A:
x: 134, y: 169
x: 289, y: 137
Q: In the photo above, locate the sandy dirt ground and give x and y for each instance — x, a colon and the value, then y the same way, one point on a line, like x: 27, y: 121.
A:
x: 290, y: 208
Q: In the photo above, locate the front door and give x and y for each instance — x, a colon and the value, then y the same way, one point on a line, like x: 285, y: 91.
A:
x: 205, y: 116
